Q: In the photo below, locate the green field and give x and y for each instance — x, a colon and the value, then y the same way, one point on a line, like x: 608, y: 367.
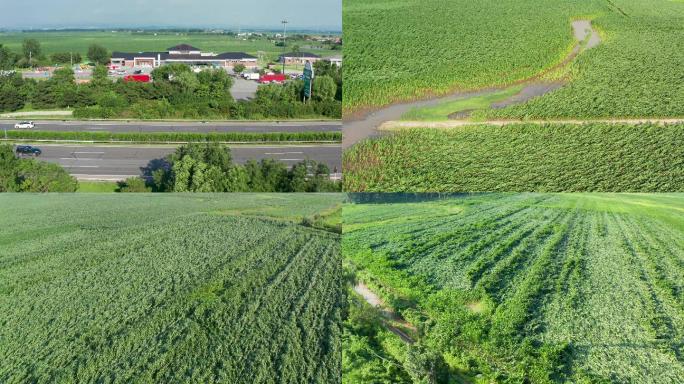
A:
x: 522, y: 288
x: 408, y: 49
x: 168, y: 288
x: 598, y: 157
x: 53, y: 42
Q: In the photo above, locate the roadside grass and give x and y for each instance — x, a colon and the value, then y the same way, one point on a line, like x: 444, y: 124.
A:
x: 442, y: 111
x: 177, y: 137
x: 97, y: 187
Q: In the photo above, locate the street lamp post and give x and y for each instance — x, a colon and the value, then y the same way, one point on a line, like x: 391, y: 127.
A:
x: 284, y: 22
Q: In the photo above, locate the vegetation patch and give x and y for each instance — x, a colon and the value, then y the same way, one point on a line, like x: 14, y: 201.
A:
x: 154, y: 288
x: 177, y: 137
x: 521, y: 157
x: 536, y: 288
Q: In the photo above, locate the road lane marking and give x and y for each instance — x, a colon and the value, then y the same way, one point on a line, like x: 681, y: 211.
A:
x: 291, y: 159
x: 79, y: 158
x: 93, y: 153
x: 81, y: 166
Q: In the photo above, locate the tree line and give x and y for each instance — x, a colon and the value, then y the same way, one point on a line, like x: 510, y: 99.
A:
x: 32, y: 55
x: 209, y: 167
x: 176, y: 92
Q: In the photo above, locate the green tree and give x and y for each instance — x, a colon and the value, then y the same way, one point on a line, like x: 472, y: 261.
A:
x: 239, y: 68
x: 66, y: 58
x: 324, y: 88
x: 10, y: 98
x: 63, y: 76
x: 31, y: 50
x: 29, y: 175
x: 425, y: 366
x: 133, y: 184
x: 170, y: 71
x: 7, y: 58
x: 98, y: 54
x: 100, y: 79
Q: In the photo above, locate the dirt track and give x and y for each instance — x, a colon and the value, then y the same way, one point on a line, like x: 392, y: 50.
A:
x: 356, y: 130
x: 376, y: 302
x: 394, y: 125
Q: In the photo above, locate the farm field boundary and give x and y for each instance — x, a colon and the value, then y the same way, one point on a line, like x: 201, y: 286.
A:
x: 403, y: 124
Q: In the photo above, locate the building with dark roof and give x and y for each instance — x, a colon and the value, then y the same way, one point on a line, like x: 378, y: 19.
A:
x: 299, y: 58
x: 182, y: 53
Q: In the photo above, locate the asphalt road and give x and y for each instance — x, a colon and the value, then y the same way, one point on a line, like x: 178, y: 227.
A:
x: 138, y: 126
x: 118, y: 162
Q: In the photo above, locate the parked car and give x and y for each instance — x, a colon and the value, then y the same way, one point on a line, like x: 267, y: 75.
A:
x: 28, y: 150
x: 24, y: 124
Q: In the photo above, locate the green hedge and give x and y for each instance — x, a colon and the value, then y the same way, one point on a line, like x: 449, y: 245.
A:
x: 184, y: 137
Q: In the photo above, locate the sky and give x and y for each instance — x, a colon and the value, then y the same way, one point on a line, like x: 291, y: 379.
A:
x: 231, y: 14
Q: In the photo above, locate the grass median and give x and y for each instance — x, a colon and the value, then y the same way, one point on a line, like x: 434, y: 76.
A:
x: 177, y: 137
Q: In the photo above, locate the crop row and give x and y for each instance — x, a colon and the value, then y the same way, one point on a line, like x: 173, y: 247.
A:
x: 176, y: 297
x: 547, y: 288
x: 635, y: 72
x: 411, y: 49
x: 521, y: 157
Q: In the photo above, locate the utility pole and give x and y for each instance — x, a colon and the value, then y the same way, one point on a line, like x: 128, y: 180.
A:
x: 284, y: 22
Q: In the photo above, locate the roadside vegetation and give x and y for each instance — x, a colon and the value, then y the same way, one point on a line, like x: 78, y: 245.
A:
x: 176, y: 93
x: 169, y: 288
x: 177, y: 137
x: 417, y: 49
x: 535, y: 288
x: 521, y: 157
x: 29, y: 175
x: 195, y: 167
x: 209, y: 168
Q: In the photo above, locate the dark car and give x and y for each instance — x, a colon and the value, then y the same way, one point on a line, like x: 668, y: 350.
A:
x: 28, y: 150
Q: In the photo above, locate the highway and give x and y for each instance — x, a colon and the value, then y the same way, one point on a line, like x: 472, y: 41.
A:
x: 143, y: 126
x: 114, y: 162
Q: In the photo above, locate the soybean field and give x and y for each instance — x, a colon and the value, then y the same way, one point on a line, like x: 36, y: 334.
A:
x: 538, y: 288
x: 239, y: 288
x: 591, y: 157
x: 409, y: 49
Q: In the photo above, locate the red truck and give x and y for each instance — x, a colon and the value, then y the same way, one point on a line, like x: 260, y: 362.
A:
x: 138, y: 78
x: 268, y: 79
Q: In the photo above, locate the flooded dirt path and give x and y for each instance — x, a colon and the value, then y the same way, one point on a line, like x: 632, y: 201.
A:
x: 358, y: 129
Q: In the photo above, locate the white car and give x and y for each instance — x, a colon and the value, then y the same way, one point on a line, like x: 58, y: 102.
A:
x: 24, y: 124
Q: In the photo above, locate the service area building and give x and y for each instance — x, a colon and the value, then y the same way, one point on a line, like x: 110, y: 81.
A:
x: 185, y: 54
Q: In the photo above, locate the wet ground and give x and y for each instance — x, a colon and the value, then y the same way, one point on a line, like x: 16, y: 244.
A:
x: 356, y: 129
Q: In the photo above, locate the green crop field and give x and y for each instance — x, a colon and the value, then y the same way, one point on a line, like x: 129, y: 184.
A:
x: 525, y: 288
x: 53, y: 42
x: 408, y: 49
x: 195, y: 288
x: 596, y: 157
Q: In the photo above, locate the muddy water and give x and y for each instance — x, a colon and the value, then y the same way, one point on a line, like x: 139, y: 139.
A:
x: 358, y: 129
